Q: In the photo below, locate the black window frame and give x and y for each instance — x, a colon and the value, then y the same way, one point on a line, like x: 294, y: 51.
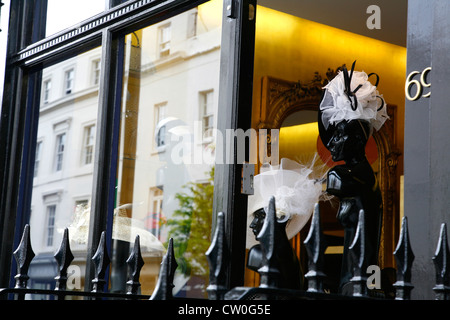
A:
x: 28, y: 52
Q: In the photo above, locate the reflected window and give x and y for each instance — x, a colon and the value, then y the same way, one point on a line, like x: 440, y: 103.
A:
x: 51, y: 213
x: 192, y: 23
x: 81, y: 204
x: 68, y: 81
x: 160, y: 137
x: 160, y: 114
x: 37, y: 158
x: 96, y: 72
x: 59, y: 154
x: 207, y: 112
x: 164, y: 40
x: 155, y: 218
x: 88, y: 147
x: 47, y: 86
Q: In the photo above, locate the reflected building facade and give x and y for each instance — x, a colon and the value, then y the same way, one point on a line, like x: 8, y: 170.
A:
x: 168, y: 115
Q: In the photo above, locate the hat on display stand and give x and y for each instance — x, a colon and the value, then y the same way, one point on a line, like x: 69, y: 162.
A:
x: 294, y: 191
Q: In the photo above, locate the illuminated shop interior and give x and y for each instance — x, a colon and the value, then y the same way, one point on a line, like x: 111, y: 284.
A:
x: 291, y: 50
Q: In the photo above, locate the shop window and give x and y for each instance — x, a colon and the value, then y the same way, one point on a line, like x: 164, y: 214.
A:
x: 159, y: 192
x: 190, y: 45
x: 291, y: 68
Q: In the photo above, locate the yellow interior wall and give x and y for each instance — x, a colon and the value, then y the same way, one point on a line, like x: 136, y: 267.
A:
x: 291, y: 48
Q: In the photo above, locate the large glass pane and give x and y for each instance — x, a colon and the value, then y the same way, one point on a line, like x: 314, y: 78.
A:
x: 167, y: 147
x: 299, y: 45
x: 62, y: 14
x: 63, y: 167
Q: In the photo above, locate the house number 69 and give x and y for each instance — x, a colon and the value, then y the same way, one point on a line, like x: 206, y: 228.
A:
x: 419, y: 84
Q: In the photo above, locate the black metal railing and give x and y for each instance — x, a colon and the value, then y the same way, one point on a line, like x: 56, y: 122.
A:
x: 24, y: 255
x: 315, y: 247
x: 218, y: 255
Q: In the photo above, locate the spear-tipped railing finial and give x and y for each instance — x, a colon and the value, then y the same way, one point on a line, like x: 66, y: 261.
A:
x: 357, y: 252
x: 404, y: 258
x: 217, y: 256
x: 135, y: 263
x: 101, y: 262
x: 164, y: 286
x: 24, y: 255
x: 441, y: 261
x: 64, y: 258
x: 315, y: 247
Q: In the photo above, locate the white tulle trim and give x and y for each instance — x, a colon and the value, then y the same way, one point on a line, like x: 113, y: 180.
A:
x: 336, y: 106
x: 295, y: 194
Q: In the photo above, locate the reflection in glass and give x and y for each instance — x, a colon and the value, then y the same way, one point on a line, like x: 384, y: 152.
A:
x: 63, y: 168
x: 166, y: 147
x: 62, y: 14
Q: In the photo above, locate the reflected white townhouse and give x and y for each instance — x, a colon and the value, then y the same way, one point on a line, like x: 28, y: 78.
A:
x: 160, y: 133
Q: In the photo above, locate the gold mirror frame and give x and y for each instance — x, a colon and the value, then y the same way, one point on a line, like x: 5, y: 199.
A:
x: 281, y: 98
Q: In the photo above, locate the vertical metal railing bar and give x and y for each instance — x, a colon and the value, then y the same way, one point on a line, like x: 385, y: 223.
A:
x: 357, y: 252
x: 315, y: 248
x: 64, y: 258
x: 164, y: 285
x: 269, y: 271
x: 24, y: 255
x: 217, y: 255
x: 404, y: 258
x: 135, y: 263
x: 101, y: 262
x: 441, y: 261
x: 14, y: 292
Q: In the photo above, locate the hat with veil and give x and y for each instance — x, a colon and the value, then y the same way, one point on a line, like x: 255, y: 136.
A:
x: 294, y: 191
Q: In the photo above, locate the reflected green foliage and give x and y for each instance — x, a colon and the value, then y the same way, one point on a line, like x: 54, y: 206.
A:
x: 190, y: 227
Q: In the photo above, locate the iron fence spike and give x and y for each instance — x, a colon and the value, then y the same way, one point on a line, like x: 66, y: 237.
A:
x: 64, y: 258
x: 269, y: 271
x: 404, y: 258
x: 358, y: 257
x: 164, y: 286
x: 135, y: 263
x: 315, y: 248
x: 441, y: 261
x: 24, y: 255
x: 101, y: 262
x: 217, y: 255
